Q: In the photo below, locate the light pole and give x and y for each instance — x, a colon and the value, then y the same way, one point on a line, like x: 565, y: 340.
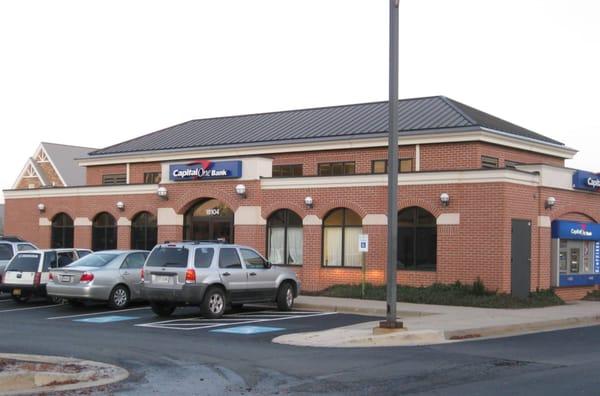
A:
x: 392, y: 255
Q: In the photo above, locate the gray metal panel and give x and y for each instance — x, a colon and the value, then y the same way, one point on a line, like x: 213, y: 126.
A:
x: 520, y: 278
x: 63, y: 157
x: 430, y: 113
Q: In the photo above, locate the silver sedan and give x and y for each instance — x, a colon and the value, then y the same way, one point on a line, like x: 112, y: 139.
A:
x: 113, y: 276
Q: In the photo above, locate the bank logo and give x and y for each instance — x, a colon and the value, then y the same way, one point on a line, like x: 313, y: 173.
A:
x: 205, y: 169
x: 582, y: 231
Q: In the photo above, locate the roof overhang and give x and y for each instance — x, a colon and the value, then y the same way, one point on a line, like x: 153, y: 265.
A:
x: 437, y: 136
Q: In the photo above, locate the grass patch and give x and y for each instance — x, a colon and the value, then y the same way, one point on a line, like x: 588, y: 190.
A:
x: 458, y: 294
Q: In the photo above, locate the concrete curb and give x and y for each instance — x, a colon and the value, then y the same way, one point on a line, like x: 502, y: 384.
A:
x: 349, y: 308
x: 117, y: 374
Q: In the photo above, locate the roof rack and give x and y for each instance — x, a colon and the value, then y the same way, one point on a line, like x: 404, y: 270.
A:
x: 199, y: 241
x: 11, y: 238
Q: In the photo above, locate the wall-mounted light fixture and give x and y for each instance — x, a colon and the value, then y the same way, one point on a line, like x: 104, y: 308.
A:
x: 240, y: 190
x: 41, y: 207
x: 162, y: 192
x: 550, y: 202
x: 308, y: 201
x: 445, y: 199
x: 120, y: 205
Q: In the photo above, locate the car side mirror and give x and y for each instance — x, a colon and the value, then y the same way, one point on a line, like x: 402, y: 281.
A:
x: 268, y: 264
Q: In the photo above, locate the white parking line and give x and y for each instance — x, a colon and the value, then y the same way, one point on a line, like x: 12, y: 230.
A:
x: 170, y: 324
x: 30, y: 308
x: 114, y: 312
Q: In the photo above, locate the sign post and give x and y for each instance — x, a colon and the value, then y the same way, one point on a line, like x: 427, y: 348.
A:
x: 363, y: 247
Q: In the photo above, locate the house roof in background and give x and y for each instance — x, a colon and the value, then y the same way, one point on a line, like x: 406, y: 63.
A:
x: 63, y: 158
x: 436, y: 113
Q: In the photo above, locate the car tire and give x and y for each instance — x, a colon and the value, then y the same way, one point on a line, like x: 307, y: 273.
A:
x: 285, y: 297
x: 162, y: 310
x: 119, y: 297
x: 214, y: 303
x: 56, y: 300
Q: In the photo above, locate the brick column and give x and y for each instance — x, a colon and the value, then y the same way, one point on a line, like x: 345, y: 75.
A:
x: 311, y: 245
x: 123, y: 233
x: 170, y: 225
x: 44, y: 234
x: 83, y: 233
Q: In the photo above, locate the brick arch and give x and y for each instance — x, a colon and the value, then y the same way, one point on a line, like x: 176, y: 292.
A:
x: 50, y: 216
x: 272, y: 208
x: 339, y: 203
x: 574, y: 210
x: 142, y: 208
x: 407, y: 203
x: 110, y: 212
x: 190, y: 198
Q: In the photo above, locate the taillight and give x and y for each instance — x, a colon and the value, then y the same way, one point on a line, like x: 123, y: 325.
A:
x: 50, y: 276
x: 86, y: 277
x: 37, y: 279
x: 190, y: 276
x: 142, y: 275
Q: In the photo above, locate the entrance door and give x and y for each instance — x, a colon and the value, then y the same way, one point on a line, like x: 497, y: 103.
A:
x: 520, y: 278
x: 209, y: 220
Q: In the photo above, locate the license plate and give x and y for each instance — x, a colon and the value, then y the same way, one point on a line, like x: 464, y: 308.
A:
x: 65, y: 278
x: 16, y: 292
x: 162, y: 279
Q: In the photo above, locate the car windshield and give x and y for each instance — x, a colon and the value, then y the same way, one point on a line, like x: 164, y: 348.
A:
x: 25, y: 262
x: 168, y: 257
x: 6, y: 251
x: 94, y: 260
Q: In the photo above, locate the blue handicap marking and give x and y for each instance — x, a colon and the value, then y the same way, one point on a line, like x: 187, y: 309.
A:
x: 106, y: 319
x: 248, y: 330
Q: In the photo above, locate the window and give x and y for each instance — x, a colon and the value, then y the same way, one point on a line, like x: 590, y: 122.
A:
x: 203, y: 257
x: 511, y: 164
x: 134, y: 261
x: 252, y: 259
x: 144, y: 231
x: 25, y: 246
x: 341, y: 228
x: 337, y: 168
x: 62, y: 232
x: 417, y: 239
x: 83, y: 253
x: 294, y: 170
x: 120, y: 178
x: 405, y: 165
x: 65, y: 258
x: 50, y: 261
x: 284, y: 238
x: 489, y: 162
x: 228, y: 258
x: 168, y: 257
x: 25, y: 262
x: 96, y: 260
x: 152, y: 177
x: 6, y: 251
x: 104, y: 232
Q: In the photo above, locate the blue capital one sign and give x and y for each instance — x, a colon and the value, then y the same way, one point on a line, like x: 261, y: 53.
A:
x: 205, y: 170
x: 583, y: 180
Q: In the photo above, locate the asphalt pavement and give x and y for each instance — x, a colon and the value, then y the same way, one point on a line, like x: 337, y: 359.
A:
x: 190, y: 356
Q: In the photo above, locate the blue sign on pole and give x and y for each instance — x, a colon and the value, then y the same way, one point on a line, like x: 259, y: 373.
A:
x: 574, y: 230
x: 205, y: 169
x: 583, y: 180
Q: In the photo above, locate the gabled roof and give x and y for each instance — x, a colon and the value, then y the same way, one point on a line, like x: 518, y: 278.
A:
x: 436, y: 113
x: 62, y: 157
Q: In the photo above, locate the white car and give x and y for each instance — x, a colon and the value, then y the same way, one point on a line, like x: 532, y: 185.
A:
x: 27, y: 274
x: 9, y: 246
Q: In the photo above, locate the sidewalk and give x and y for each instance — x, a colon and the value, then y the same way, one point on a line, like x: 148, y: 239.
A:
x: 431, y: 324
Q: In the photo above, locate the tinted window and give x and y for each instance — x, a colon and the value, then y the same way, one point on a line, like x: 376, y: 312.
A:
x: 50, y: 261
x: 168, y: 257
x: 95, y: 260
x: 228, y: 258
x: 83, y: 253
x: 6, y: 251
x: 135, y: 261
x: 65, y: 258
x: 25, y: 246
x: 204, y: 257
x: 25, y: 262
x: 252, y: 259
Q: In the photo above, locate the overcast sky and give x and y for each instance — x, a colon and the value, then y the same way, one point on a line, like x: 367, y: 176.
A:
x: 94, y: 73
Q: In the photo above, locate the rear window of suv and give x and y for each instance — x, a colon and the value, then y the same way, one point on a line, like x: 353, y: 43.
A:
x: 173, y: 257
x: 25, y: 262
x: 6, y: 251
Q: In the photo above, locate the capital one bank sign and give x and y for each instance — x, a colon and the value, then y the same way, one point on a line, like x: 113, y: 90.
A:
x: 583, y: 180
x: 205, y: 170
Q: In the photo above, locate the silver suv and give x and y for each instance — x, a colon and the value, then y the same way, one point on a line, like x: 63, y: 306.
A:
x: 9, y: 246
x: 213, y: 276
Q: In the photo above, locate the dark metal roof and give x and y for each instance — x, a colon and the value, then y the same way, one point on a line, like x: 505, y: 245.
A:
x: 431, y: 113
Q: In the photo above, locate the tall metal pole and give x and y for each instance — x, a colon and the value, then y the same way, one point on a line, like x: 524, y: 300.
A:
x: 392, y: 242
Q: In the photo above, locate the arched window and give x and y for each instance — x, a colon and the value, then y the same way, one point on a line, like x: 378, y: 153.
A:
x: 62, y: 231
x: 284, y: 238
x: 104, y: 232
x: 417, y: 239
x: 208, y: 219
x: 144, y: 231
x: 341, y: 228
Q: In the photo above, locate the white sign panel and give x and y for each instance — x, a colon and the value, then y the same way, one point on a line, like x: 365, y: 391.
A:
x: 363, y: 243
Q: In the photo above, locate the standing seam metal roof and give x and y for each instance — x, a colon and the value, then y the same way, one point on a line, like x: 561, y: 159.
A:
x: 430, y: 113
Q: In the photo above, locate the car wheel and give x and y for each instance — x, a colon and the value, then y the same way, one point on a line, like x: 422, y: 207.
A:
x: 161, y: 309
x: 285, y: 297
x: 56, y: 300
x: 119, y: 297
x: 213, y: 304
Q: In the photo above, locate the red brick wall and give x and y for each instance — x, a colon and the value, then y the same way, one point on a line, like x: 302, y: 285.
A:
x: 136, y: 171
x: 94, y: 173
x: 573, y: 293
